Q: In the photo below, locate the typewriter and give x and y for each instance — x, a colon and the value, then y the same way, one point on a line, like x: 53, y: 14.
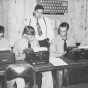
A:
x: 6, y: 57
x: 40, y: 56
x: 77, y: 53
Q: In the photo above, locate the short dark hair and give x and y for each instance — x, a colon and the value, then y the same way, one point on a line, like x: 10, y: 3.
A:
x: 29, y: 30
x: 38, y: 7
x: 1, y: 29
x: 64, y: 24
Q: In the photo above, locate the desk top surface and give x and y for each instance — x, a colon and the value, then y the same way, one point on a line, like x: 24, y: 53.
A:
x: 50, y: 67
x: 83, y: 85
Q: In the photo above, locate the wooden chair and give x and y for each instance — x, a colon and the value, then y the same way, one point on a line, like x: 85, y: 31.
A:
x: 25, y: 71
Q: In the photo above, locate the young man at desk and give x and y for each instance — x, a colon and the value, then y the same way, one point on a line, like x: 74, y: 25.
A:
x: 21, y: 46
x: 4, y: 43
x: 60, y: 43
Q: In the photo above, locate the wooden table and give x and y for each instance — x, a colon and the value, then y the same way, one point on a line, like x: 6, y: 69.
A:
x: 49, y: 67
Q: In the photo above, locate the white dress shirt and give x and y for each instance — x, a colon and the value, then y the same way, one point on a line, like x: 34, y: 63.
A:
x: 46, y: 28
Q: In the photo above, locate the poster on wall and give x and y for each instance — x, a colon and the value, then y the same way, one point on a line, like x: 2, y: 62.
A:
x: 54, y: 6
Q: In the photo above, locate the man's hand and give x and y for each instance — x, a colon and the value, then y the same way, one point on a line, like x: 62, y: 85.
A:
x: 28, y: 51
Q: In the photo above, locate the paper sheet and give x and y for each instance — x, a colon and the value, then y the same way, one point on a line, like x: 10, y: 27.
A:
x: 57, y: 61
x: 36, y: 49
x: 83, y: 47
x: 4, y: 49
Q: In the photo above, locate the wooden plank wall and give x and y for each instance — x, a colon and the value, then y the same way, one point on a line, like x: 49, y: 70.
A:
x: 77, y: 19
x: 4, y: 15
x: 15, y: 14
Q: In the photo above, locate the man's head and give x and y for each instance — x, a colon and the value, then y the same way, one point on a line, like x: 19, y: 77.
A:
x: 29, y: 33
x: 1, y: 32
x: 38, y: 11
x: 63, y: 29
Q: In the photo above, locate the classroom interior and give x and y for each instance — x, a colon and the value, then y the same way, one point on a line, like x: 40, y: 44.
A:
x: 15, y: 15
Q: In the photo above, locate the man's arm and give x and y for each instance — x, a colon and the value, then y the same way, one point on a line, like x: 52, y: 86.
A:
x: 50, y: 31
x: 19, y: 54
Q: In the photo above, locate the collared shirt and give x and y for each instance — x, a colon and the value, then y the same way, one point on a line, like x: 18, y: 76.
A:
x: 46, y: 28
x: 4, y: 44
x: 57, y: 45
x: 22, y: 44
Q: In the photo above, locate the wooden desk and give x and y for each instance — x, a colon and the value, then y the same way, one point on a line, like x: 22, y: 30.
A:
x: 48, y: 67
x: 83, y: 85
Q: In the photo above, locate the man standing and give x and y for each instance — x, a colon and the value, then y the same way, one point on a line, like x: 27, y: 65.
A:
x: 44, y: 34
x: 42, y: 26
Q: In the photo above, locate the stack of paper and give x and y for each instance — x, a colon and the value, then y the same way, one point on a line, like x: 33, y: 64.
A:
x: 57, y: 61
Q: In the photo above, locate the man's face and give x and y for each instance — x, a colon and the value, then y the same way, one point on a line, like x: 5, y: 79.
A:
x: 30, y: 37
x: 63, y: 31
x: 38, y: 13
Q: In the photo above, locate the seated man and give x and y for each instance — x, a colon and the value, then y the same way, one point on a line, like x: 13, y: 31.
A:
x: 4, y: 43
x: 60, y: 43
x: 22, y: 47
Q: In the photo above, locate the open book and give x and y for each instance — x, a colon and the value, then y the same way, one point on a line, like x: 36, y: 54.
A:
x: 37, y: 49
